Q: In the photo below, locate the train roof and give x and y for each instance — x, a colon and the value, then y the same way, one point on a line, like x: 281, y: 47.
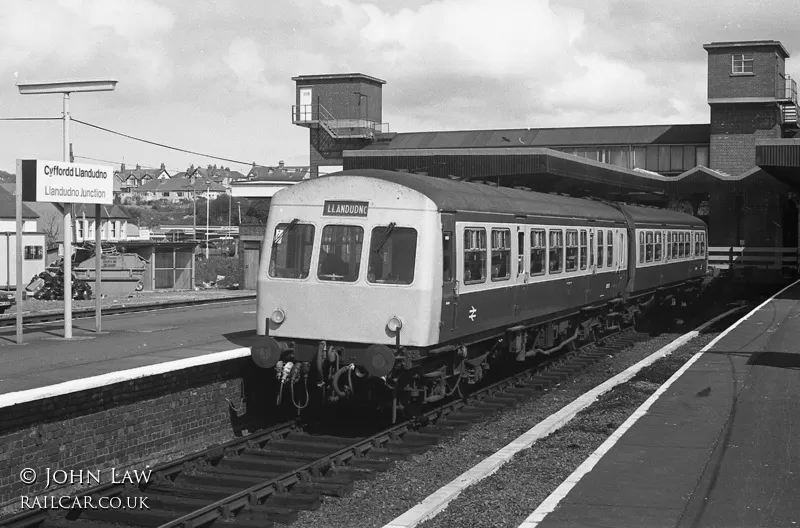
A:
x: 659, y: 217
x: 450, y: 195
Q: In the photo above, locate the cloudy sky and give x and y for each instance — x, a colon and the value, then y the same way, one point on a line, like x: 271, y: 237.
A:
x: 215, y: 77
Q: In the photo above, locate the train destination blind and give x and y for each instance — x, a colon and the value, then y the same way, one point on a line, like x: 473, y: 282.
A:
x: 345, y: 208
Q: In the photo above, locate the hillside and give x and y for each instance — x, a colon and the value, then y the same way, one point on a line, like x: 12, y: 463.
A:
x: 7, y: 177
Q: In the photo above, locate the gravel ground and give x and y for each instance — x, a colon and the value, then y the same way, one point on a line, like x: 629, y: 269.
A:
x: 374, y: 503
x: 534, y: 473
x: 36, y: 306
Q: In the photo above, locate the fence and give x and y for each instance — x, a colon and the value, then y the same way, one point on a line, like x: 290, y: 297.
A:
x: 775, y: 258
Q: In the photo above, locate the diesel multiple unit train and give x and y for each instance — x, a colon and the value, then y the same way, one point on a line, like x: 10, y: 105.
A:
x: 416, y: 285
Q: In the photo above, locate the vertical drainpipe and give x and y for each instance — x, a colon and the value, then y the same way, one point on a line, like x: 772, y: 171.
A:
x: 8, y: 261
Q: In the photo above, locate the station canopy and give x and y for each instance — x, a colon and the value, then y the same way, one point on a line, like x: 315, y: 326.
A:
x: 781, y: 159
x: 536, y: 169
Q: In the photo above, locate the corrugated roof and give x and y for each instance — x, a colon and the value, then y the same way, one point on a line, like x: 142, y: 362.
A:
x: 689, y: 134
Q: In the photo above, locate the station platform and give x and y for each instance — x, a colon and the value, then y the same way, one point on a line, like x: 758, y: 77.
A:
x: 719, y: 448
x: 128, y: 341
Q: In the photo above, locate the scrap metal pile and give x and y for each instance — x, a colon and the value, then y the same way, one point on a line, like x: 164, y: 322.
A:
x: 49, y: 286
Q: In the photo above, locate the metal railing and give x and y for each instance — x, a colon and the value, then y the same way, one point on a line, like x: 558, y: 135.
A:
x: 787, y: 89
x: 336, y: 127
x: 775, y: 258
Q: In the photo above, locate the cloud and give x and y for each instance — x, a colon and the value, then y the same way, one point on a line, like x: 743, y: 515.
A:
x: 80, y: 37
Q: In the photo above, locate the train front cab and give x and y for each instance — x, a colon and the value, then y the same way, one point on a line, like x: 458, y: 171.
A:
x: 350, y: 272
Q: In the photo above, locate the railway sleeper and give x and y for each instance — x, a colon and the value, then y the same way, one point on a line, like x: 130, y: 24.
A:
x: 272, y: 513
x: 320, y: 486
x: 299, y: 501
x: 320, y: 448
x: 145, y: 518
x: 266, y: 454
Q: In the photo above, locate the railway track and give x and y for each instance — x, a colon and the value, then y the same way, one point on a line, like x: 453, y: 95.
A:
x: 117, y: 310
x: 269, y: 476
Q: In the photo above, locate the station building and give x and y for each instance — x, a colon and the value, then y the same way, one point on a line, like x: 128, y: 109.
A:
x: 740, y: 172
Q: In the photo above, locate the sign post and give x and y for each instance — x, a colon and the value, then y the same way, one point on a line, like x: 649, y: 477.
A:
x: 54, y: 181
x: 18, y: 294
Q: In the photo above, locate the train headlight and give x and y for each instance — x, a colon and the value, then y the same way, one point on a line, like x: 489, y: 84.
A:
x: 394, y: 324
x: 278, y: 316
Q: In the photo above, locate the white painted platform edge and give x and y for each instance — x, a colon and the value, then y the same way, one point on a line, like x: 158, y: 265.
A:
x: 440, y: 499
x: 551, y: 502
x: 67, y: 387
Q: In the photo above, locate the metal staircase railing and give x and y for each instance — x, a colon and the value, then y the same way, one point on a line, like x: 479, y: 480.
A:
x: 337, y: 128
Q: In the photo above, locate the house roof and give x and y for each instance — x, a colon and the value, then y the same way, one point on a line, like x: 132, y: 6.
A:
x: 106, y: 211
x: 279, y: 174
x: 550, y: 137
x: 8, y: 205
x: 214, y: 173
x: 177, y: 184
x: 139, y: 173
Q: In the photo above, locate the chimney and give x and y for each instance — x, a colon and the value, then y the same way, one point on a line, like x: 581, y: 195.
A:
x: 280, y: 164
x: 122, y: 167
x: 163, y: 167
x: 137, y: 166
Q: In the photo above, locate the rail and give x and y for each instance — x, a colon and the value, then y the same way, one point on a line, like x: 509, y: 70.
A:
x: 775, y: 258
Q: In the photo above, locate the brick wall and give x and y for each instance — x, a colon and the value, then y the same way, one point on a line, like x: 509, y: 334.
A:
x: 763, y: 82
x: 734, y: 130
x: 129, y: 424
x: 339, y: 98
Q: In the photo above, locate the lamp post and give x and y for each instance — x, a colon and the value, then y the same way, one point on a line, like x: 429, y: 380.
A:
x: 208, y: 212
x: 66, y: 88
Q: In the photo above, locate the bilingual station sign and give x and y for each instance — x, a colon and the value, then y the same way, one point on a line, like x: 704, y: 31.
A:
x: 62, y: 182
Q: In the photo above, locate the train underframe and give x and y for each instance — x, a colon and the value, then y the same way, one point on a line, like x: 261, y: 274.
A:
x: 409, y: 378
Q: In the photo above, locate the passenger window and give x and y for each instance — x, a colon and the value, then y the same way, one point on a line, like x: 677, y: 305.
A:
x: 687, y: 250
x: 291, y: 251
x: 447, y: 256
x: 572, y: 250
x: 583, y: 249
x: 648, y: 255
x: 600, y: 248
x: 669, y: 245
x: 520, y: 253
x: 556, y: 253
x: 681, y: 245
x: 392, y: 254
x: 623, y: 253
x: 610, y: 240
x: 674, y: 244
x: 501, y: 254
x: 657, y: 255
x: 474, y: 255
x: 703, y: 245
x: 537, y: 251
x: 340, y: 253
x: 697, y: 244
x: 641, y: 247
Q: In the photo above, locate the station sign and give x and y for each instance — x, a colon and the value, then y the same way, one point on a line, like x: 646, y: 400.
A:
x: 62, y: 182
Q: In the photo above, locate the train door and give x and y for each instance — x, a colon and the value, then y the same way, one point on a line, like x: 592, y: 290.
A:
x: 449, y: 283
x: 622, y: 260
x: 591, y: 290
x: 521, y: 270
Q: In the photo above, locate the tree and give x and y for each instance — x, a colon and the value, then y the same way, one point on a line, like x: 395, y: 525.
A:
x: 51, y: 228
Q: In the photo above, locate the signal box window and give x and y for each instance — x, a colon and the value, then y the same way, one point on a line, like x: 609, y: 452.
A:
x: 291, y: 251
x: 392, y: 254
x: 583, y: 250
x: 474, y: 255
x: 447, y: 256
x: 572, y: 250
x: 600, y: 249
x: 556, y: 250
x: 34, y: 253
x: 501, y: 254
x: 610, y: 248
x: 742, y: 64
x: 538, y: 248
x: 340, y: 253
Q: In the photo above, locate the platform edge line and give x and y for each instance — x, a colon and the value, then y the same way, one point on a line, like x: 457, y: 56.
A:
x: 441, y: 498
x: 551, y: 502
x: 59, y: 389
